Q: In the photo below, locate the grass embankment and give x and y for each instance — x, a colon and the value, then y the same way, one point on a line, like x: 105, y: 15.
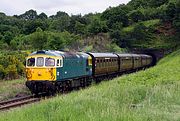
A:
x: 153, y: 94
x: 11, y: 88
x: 157, y: 35
x: 146, y: 23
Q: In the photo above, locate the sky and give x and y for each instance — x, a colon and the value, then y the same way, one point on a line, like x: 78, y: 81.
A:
x: 50, y: 7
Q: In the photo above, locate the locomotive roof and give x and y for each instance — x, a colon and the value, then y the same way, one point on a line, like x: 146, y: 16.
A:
x: 61, y: 53
x: 104, y: 55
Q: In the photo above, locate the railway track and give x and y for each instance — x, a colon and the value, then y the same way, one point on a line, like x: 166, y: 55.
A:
x: 5, y: 105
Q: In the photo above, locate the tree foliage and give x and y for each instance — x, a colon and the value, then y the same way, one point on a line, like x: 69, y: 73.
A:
x: 126, y: 25
x: 12, y: 65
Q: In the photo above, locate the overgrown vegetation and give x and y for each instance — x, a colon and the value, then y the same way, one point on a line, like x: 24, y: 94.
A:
x: 152, y: 94
x: 139, y: 24
x: 12, y: 65
x: 10, y: 89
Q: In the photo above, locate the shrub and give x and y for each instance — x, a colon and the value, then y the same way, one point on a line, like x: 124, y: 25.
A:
x: 2, y: 72
x: 12, y: 65
x: 11, y: 72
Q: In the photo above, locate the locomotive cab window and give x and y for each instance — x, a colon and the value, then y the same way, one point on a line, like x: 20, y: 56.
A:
x: 31, y: 62
x: 40, y: 61
x: 50, y: 62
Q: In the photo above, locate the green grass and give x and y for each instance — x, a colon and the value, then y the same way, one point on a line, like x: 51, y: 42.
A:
x: 11, y: 88
x: 146, y: 23
x: 150, y: 95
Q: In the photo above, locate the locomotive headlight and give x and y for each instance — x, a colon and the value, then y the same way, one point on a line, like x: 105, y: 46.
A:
x: 57, y: 73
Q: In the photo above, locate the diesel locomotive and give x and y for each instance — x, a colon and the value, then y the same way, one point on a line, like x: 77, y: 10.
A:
x: 50, y: 71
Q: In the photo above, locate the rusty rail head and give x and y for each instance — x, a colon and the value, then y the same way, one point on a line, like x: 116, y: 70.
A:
x: 15, y: 100
x: 5, y: 105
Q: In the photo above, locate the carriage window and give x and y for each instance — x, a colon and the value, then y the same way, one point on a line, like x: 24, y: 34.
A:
x: 40, y: 61
x: 101, y: 63
x: 109, y: 62
x: 104, y: 64
x: 114, y: 61
x: 31, y: 62
x: 50, y: 62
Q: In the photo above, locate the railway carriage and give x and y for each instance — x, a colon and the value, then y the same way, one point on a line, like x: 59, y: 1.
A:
x: 104, y: 63
x: 143, y: 60
x: 136, y: 61
x: 146, y: 59
x: 149, y: 60
x: 126, y: 62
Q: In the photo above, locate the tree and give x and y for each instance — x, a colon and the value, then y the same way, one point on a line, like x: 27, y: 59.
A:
x: 122, y: 39
x: 29, y: 15
x: 97, y: 26
x: 73, y: 20
x: 69, y: 38
x: 146, y: 3
x: 14, y: 44
x: 140, y: 32
x: 136, y: 15
x: 2, y: 72
x: 171, y: 11
x: 31, y: 26
x: 55, y: 41
x: 42, y: 16
x: 3, y: 45
x: 21, y: 42
x: 38, y: 39
x: 80, y: 28
x: 59, y: 14
x: 2, y: 14
x: 116, y: 14
x: 176, y: 21
x: 11, y: 72
x: 60, y: 24
x: 168, y: 12
x: 157, y: 3
x: 8, y: 36
x: 1, y: 37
